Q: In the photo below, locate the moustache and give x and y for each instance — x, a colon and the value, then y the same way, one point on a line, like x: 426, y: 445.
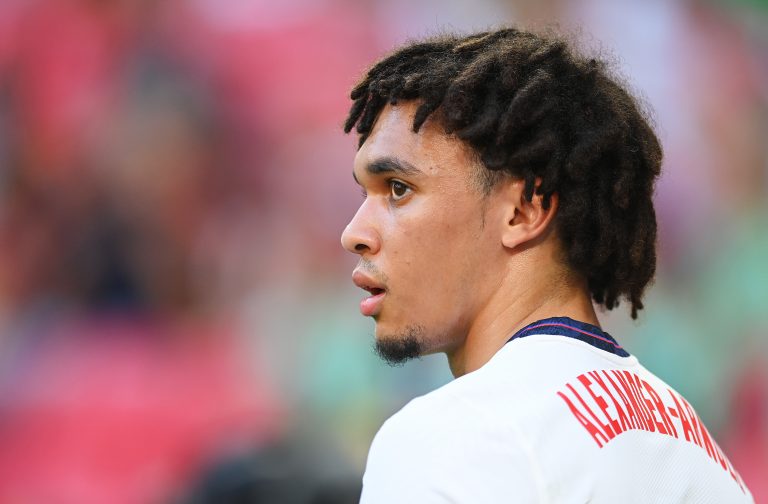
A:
x: 372, y: 269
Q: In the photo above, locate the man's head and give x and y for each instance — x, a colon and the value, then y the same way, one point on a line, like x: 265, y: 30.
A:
x: 491, y: 160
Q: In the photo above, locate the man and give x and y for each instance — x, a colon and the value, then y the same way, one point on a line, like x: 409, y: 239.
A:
x: 508, y: 184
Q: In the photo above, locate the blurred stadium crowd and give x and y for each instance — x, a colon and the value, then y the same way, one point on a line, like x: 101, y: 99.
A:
x: 177, y: 322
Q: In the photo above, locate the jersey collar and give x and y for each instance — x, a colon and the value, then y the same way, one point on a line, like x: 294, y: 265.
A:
x: 564, y: 326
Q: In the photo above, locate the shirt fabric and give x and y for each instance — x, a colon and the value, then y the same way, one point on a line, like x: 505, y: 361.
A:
x: 561, y: 414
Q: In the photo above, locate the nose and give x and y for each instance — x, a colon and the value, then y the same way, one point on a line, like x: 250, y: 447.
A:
x: 360, y: 235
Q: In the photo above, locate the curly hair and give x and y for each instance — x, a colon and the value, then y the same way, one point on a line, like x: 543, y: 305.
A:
x: 531, y: 106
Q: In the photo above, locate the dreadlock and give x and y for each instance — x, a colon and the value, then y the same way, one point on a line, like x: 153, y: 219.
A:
x: 533, y: 108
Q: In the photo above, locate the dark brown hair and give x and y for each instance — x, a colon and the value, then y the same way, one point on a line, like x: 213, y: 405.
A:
x: 531, y: 106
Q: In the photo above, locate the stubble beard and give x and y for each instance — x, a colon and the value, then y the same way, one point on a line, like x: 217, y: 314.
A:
x: 399, y: 348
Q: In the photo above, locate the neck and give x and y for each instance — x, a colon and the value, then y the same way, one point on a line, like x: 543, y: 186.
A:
x: 499, y: 319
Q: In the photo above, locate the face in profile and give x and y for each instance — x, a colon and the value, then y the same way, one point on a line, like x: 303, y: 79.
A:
x: 423, y: 236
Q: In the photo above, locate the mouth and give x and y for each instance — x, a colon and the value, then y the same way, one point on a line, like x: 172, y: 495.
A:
x: 374, y: 291
x: 371, y: 305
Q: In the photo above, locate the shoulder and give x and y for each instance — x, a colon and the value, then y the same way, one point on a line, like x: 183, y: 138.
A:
x: 442, y: 448
x: 484, y: 435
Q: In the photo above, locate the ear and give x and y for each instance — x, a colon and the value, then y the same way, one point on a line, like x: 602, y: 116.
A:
x: 525, y: 221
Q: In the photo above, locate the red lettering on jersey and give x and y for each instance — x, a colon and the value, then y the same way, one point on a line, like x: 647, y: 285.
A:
x: 643, y: 409
x: 719, y: 455
x: 644, y: 413
x: 701, y: 436
x: 692, y: 418
x: 650, y: 408
x: 620, y: 425
x: 606, y: 428
x: 596, y: 433
x: 656, y: 405
x: 699, y: 426
x: 632, y: 416
x: 688, y: 432
x: 723, y: 459
x: 662, y: 409
x: 612, y: 427
x: 727, y: 465
x: 632, y: 399
x: 716, y: 452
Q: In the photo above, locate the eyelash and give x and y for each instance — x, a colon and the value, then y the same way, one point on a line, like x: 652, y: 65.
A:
x: 390, y: 184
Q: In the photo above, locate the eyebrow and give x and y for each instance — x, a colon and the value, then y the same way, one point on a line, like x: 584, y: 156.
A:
x: 390, y: 165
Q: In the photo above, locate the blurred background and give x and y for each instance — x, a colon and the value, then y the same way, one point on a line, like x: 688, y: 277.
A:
x: 177, y: 320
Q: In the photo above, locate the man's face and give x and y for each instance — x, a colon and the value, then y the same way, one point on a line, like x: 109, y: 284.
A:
x: 427, y: 253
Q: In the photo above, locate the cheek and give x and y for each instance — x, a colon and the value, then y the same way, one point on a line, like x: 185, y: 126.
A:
x: 434, y: 252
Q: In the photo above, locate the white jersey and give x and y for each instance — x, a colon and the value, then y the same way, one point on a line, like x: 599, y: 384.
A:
x: 560, y: 414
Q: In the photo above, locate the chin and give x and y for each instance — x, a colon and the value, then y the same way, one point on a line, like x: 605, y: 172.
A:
x: 398, y: 346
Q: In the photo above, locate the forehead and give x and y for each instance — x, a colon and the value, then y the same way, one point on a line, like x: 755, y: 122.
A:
x: 430, y: 149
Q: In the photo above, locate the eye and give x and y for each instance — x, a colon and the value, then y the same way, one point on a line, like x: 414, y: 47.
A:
x: 398, y: 190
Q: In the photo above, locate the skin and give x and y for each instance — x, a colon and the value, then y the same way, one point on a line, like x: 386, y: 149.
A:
x: 466, y: 269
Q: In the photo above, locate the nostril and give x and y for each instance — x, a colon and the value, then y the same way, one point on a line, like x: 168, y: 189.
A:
x: 360, y: 247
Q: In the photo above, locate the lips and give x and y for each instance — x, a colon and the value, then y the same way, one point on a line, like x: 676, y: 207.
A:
x: 371, y: 305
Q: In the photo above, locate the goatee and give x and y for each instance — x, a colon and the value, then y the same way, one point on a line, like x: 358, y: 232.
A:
x: 395, y: 350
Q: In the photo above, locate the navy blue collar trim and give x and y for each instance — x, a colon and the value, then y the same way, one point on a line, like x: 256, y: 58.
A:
x: 564, y: 326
